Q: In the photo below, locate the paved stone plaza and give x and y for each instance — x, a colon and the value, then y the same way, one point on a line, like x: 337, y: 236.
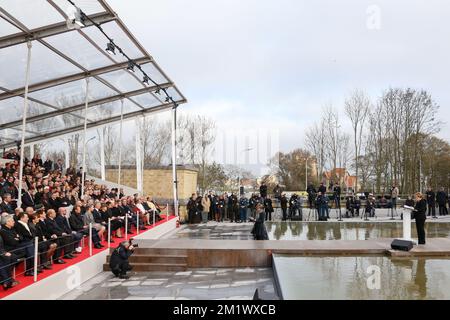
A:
x: 199, y: 284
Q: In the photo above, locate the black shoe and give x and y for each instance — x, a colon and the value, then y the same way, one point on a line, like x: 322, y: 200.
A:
x: 68, y: 256
x: 97, y: 246
x: 123, y: 276
x: 7, y: 286
x: 28, y: 274
x: 59, y: 261
x: 47, y: 267
x: 129, y: 232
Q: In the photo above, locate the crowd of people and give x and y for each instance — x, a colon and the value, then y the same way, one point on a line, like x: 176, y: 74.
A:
x: 54, y: 210
x: 233, y: 208
x: 225, y: 207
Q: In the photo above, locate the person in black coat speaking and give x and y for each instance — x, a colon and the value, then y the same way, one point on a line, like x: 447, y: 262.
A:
x: 420, y: 215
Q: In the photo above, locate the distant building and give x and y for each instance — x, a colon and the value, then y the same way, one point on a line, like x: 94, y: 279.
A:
x: 342, y: 177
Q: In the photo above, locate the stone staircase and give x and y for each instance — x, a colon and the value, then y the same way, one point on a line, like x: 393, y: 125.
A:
x: 147, y: 259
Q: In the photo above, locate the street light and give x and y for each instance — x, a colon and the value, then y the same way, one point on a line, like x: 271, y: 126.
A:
x: 239, y: 175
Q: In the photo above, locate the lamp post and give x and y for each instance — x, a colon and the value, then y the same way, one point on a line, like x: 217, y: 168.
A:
x: 239, y: 175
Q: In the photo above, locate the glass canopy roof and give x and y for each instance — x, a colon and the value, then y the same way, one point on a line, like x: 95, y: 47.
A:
x: 62, y: 59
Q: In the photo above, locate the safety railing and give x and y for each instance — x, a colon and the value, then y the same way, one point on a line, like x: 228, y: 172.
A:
x: 33, y: 262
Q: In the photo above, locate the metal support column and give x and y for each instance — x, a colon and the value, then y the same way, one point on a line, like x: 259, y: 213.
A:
x: 119, y: 179
x: 83, y: 170
x: 174, y: 161
x: 24, y: 124
x: 138, y: 157
x: 102, y: 154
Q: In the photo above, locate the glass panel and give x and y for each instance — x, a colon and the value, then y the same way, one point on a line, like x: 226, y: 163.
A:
x: 122, y: 80
x: 12, y: 66
x: 88, y: 6
x: 13, y: 134
x: 55, y: 124
x: 7, y: 29
x: 174, y: 94
x: 147, y: 100
x: 111, y: 110
x: 12, y: 109
x: 33, y: 14
x: 153, y: 73
x: 120, y: 38
x: 76, y: 47
x: 73, y: 93
x: 45, y: 65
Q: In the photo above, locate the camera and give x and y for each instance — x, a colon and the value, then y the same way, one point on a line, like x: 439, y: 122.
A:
x: 135, y: 245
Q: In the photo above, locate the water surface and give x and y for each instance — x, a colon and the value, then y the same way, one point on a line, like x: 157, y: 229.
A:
x: 349, y: 230
x: 347, y: 278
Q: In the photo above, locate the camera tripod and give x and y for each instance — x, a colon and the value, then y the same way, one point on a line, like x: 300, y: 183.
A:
x: 314, y: 213
x: 337, y: 205
x: 392, y: 209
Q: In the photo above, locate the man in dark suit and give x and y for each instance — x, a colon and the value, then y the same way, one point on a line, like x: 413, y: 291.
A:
x: 431, y: 201
x: 56, y: 232
x: 6, y: 206
x: 63, y: 222
x: 21, y: 247
x: 441, y: 199
x: 77, y: 224
x: 42, y: 224
x: 55, y: 201
x: 27, y: 199
x: 5, y: 272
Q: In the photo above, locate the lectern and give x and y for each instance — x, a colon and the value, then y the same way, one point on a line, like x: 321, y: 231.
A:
x: 406, y: 243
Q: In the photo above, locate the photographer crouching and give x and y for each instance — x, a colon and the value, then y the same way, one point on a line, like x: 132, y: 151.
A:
x: 119, y: 259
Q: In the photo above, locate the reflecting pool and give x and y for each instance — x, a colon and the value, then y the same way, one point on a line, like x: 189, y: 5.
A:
x: 362, y: 278
x: 349, y: 230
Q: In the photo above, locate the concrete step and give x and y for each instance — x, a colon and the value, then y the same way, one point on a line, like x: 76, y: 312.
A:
x: 147, y: 267
x: 146, y: 258
x: 159, y: 251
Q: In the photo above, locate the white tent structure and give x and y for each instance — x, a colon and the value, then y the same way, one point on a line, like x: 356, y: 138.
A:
x: 57, y: 79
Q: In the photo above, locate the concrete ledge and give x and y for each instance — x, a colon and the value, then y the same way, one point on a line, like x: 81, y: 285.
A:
x: 248, y: 253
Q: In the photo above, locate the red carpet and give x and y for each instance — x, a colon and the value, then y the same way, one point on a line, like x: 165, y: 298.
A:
x: 26, y: 281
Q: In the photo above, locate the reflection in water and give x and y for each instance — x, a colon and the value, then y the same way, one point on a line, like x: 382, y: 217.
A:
x: 348, y: 230
x: 346, y: 278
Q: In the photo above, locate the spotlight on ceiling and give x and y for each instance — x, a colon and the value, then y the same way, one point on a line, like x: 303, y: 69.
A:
x: 146, y: 79
x: 130, y: 66
x: 75, y: 18
x: 111, y: 48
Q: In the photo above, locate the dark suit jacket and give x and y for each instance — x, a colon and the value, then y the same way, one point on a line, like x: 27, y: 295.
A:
x: 27, y: 200
x: 11, y: 239
x: 76, y: 222
x: 54, y: 228
x: 44, y: 228
x: 23, y: 232
x: 97, y: 216
x: 64, y: 224
x: 6, y: 208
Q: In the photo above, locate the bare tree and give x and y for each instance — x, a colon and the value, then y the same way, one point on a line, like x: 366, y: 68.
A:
x: 357, y: 108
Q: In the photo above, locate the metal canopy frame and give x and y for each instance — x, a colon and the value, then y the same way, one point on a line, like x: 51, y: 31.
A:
x: 55, y: 46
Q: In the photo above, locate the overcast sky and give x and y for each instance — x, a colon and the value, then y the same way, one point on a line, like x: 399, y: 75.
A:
x: 275, y: 63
